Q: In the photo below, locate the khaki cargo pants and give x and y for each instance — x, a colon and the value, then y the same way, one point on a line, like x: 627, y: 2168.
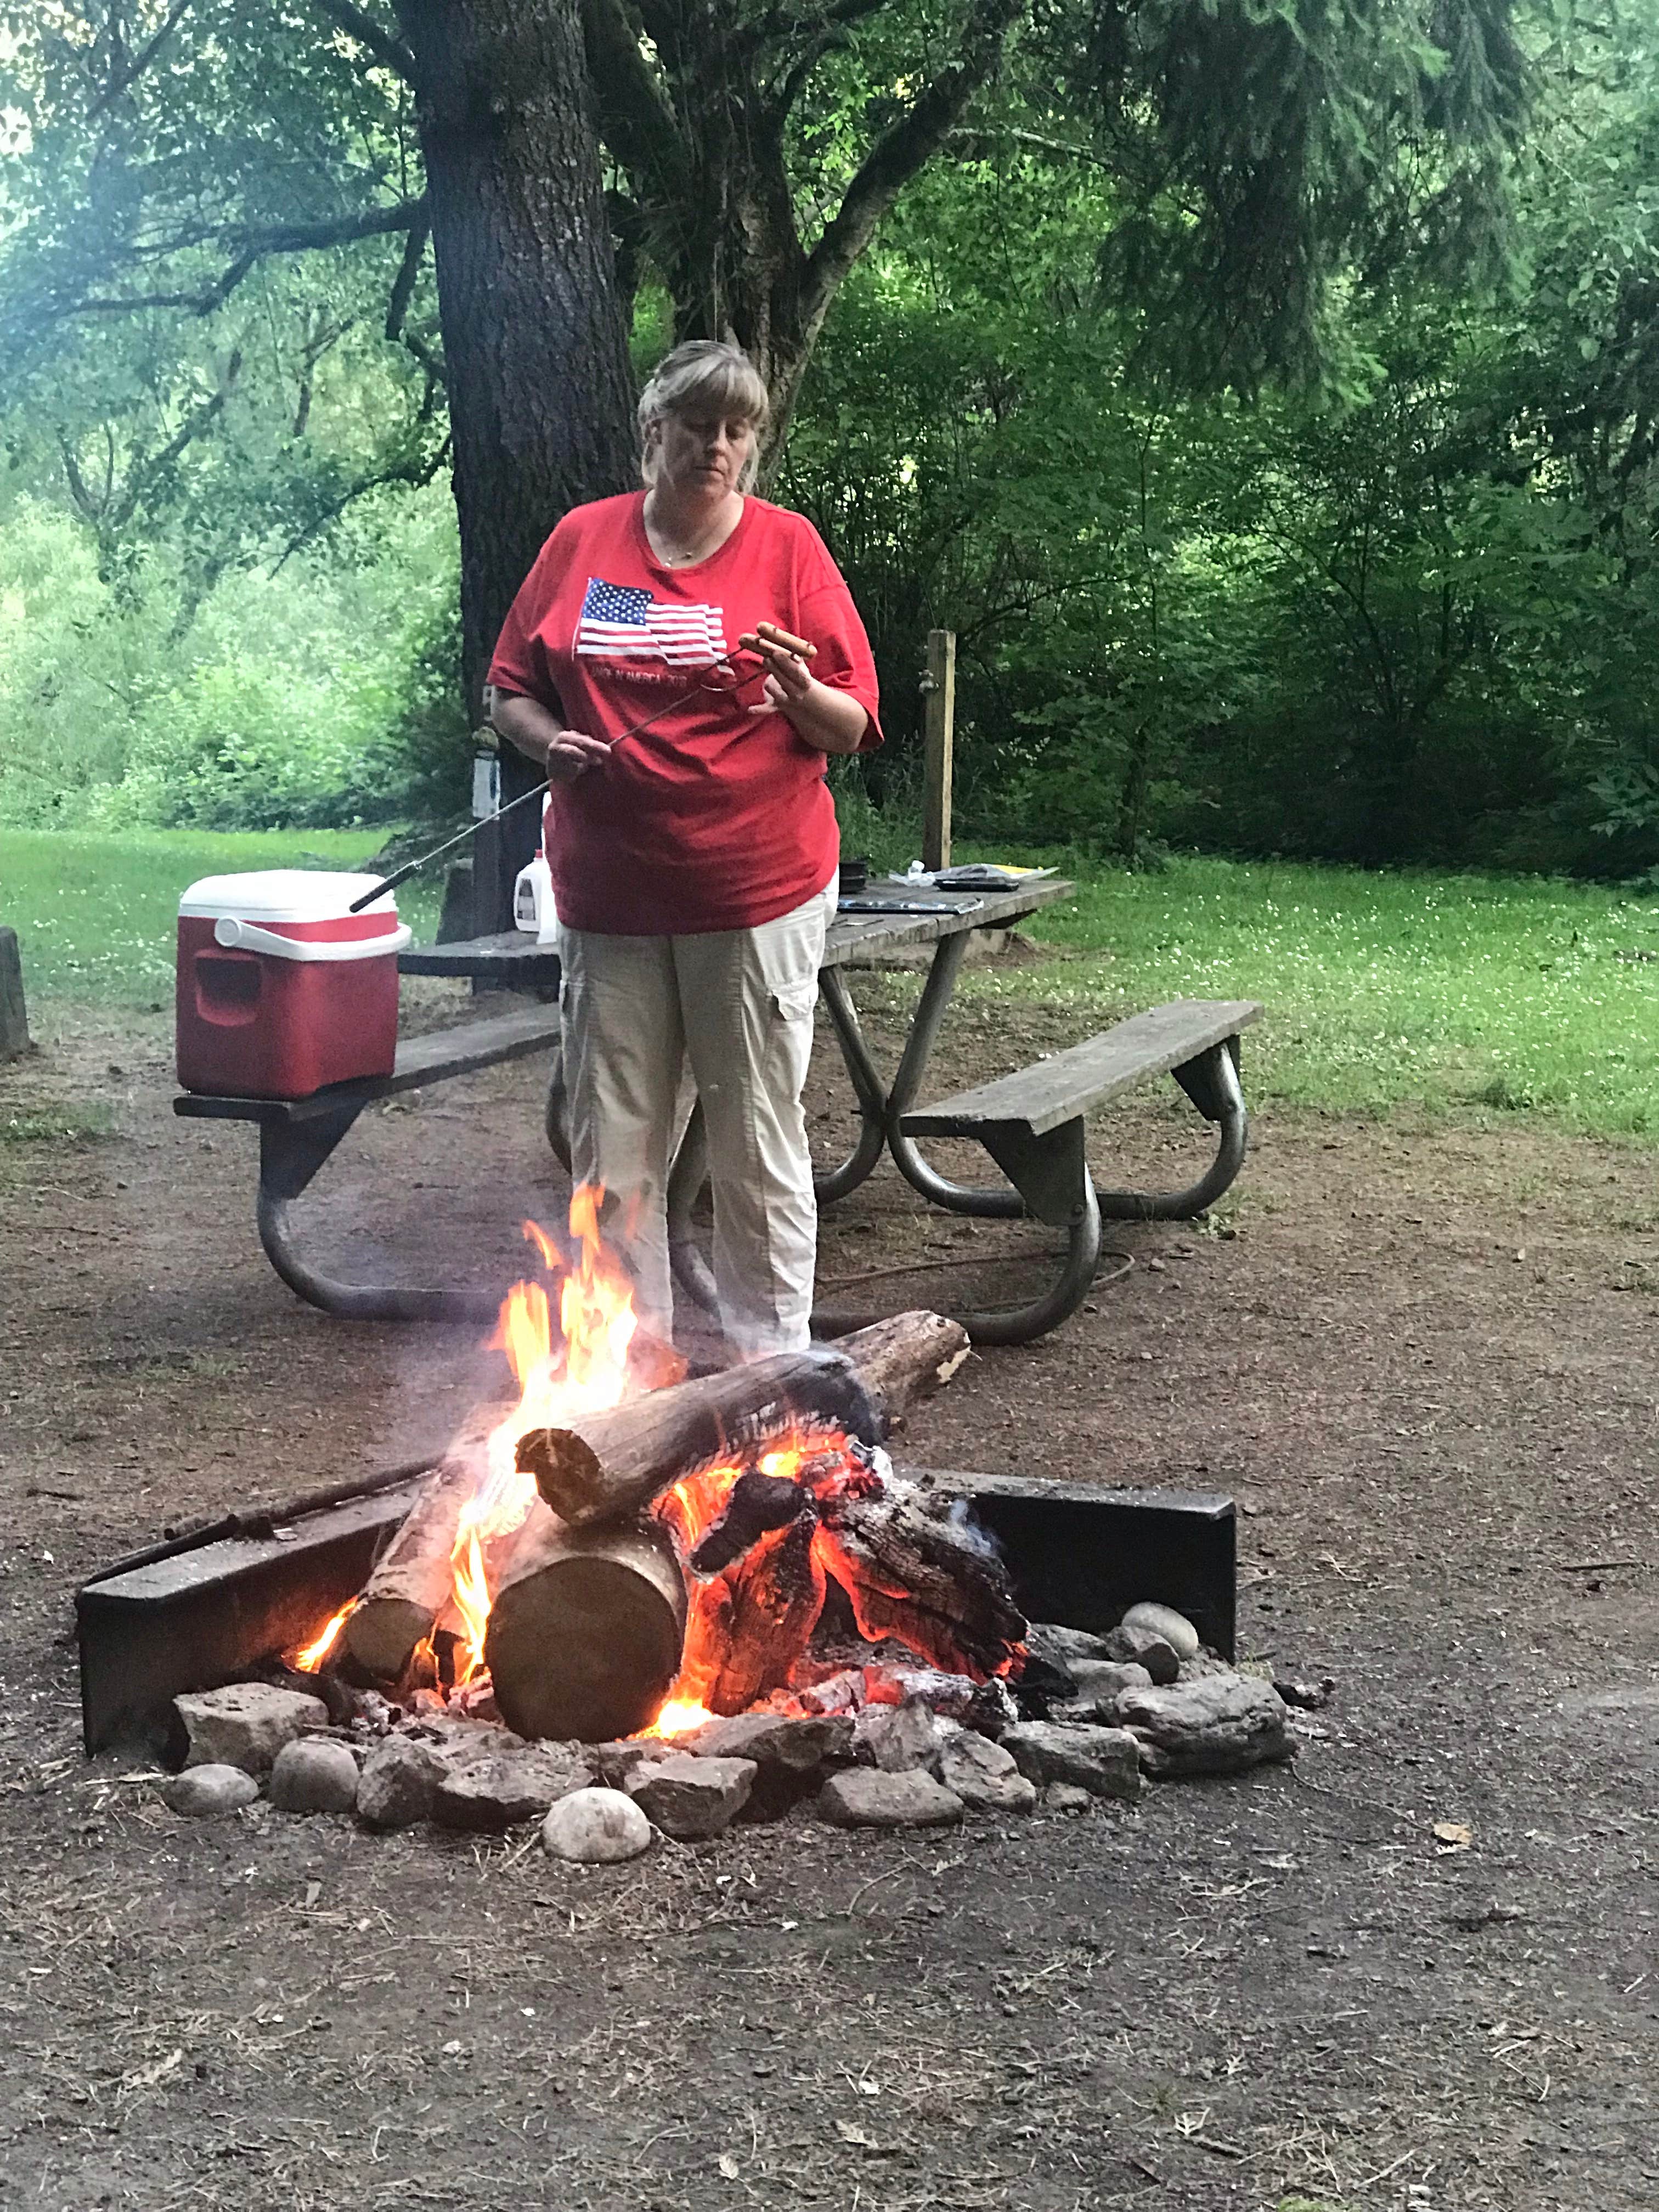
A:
x: 737, y: 1005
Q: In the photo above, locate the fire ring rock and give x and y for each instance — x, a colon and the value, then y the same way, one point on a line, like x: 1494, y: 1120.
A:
x: 595, y: 1827
x: 691, y: 1798
x: 201, y: 1793
x: 1163, y: 1620
x: 313, y: 1776
x: 397, y: 1783
x: 1144, y: 1647
x: 488, y: 1795
x: 791, y: 1752
x: 1100, y: 1684
x: 984, y: 1776
x: 246, y: 1724
x: 899, y: 1738
x: 1216, y: 1724
x: 871, y: 1797
x: 1104, y: 1761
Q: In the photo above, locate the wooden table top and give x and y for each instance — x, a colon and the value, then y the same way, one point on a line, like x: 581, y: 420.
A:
x: 514, y: 958
x: 854, y: 936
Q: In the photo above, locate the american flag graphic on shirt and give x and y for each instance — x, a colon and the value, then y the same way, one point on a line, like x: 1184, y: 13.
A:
x: 621, y: 621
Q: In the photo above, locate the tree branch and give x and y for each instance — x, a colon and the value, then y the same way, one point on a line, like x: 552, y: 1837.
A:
x: 416, y: 471
x: 980, y: 144
x: 409, y: 271
x: 255, y: 245
x: 900, y: 152
x: 130, y: 71
x: 792, y: 22
x: 144, y: 474
x: 387, y: 49
x: 635, y: 120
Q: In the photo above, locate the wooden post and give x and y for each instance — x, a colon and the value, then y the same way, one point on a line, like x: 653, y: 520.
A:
x: 13, y: 1018
x: 940, y: 690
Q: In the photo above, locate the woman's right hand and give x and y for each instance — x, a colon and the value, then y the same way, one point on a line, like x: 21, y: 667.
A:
x: 572, y: 753
x: 542, y: 738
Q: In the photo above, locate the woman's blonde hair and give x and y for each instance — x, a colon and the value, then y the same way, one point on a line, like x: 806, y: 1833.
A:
x: 704, y: 374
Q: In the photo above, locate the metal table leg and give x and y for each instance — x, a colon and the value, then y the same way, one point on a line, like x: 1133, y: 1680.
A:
x: 955, y: 1197
x: 1049, y: 1182
x: 840, y: 1182
x: 290, y: 1154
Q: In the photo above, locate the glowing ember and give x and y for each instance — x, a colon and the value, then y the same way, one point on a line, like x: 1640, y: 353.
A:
x: 310, y: 1657
x: 588, y: 1370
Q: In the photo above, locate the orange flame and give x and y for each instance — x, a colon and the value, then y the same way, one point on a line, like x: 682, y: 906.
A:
x: 588, y: 1370
x: 310, y: 1657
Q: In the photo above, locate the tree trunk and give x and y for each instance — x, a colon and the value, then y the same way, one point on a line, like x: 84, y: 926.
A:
x: 612, y: 1464
x: 535, y: 347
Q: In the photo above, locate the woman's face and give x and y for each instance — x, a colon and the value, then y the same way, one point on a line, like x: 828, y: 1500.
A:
x: 704, y: 453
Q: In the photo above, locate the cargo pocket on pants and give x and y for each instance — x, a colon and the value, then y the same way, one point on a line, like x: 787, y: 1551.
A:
x: 793, y: 1005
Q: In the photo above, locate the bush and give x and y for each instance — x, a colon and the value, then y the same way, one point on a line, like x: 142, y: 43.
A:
x: 318, y: 697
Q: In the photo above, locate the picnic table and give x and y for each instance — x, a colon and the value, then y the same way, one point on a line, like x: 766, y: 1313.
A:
x: 1031, y: 1122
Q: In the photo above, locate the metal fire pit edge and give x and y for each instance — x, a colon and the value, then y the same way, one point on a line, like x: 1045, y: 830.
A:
x: 1082, y: 1557
x: 194, y: 1616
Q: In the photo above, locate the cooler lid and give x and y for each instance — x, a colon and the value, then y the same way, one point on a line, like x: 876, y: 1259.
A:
x: 284, y: 895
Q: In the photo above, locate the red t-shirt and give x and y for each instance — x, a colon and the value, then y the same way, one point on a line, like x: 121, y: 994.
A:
x: 713, y: 818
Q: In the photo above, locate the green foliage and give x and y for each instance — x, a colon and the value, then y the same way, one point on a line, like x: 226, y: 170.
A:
x: 1403, y: 606
x: 320, y: 695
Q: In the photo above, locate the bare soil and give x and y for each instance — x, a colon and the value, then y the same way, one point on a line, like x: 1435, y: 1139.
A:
x: 1420, y: 1355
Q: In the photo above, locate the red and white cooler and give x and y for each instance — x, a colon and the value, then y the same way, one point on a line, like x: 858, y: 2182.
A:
x: 281, y: 989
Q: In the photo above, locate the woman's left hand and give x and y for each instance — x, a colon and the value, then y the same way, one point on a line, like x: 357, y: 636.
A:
x: 828, y: 720
x: 789, y: 681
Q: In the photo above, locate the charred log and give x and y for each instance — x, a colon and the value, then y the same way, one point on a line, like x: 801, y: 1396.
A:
x: 758, y: 1504
x: 612, y: 1465
x: 751, y: 1626
x: 933, y: 1585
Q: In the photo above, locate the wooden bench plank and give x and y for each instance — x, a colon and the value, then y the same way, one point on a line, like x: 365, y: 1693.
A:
x: 461, y: 1050
x: 1040, y: 1097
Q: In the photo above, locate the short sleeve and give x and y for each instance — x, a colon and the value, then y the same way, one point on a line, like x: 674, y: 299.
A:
x: 518, y: 664
x: 829, y: 618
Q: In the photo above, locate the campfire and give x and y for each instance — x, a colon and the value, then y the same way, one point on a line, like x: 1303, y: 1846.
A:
x: 628, y: 1552
x: 638, y: 1600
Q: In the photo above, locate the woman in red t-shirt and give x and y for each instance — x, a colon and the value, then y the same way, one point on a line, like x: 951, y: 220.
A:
x: 692, y: 838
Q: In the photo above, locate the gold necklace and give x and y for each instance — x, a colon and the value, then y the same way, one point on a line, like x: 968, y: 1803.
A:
x: 681, y: 558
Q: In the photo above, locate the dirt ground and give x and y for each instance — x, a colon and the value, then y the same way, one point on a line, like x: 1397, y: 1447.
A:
x: 1419, y: 1354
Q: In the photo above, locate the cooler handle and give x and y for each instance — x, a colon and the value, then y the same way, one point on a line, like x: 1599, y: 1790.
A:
x: 248, y: 937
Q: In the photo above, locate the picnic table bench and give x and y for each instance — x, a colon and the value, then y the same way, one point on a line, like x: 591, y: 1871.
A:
x: 1031, y: 1122
x: 297, y: 1135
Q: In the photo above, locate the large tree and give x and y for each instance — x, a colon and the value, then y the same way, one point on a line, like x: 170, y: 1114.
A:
x: 172, y: 153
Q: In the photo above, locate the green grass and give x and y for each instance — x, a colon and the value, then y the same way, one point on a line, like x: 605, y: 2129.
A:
x: 95, y: 915
x: 1382, y: 989
x: 1471, y: 993
x: 56, y: 1124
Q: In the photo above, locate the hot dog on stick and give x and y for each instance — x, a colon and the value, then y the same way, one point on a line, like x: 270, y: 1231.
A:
x: 767, y: 633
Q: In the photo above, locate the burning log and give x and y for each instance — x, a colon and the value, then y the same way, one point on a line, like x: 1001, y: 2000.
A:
x: 612, y: 1465
x: 414, y: 1580
x: 936, y: 1585
x: 584, y: 1633
x: 755, y: 1621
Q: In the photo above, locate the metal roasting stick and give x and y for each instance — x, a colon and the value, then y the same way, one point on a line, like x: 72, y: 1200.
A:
x: 765, y: 633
